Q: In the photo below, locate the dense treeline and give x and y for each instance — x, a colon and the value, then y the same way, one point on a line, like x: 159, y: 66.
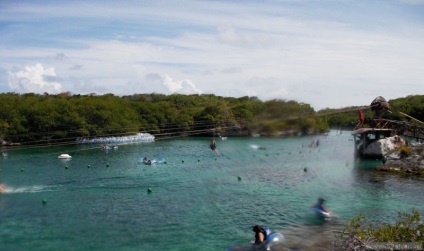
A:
x: 410, y: 105
x: 33, y: 118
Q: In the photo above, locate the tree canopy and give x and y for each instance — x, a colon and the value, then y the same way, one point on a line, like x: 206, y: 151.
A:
x: 33, y: 117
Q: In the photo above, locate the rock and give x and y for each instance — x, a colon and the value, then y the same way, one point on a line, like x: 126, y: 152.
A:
x: 386, y: 147
x: 414, y: 164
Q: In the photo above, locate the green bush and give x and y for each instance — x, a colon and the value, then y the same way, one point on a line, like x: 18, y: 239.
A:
x: 405, y: 151
x: 360, y: 234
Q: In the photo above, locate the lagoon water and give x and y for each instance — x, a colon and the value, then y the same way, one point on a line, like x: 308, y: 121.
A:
x: 99, y: 200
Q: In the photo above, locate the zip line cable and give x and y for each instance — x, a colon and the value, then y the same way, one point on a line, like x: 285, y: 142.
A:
x: 169, y: 126
x: 162, y: 136
x: 164, y: 132
x: 165, y: 128
x: 190, y: 133
x: 178, y: 125
x: 404, y: 114
x: 170, y: 131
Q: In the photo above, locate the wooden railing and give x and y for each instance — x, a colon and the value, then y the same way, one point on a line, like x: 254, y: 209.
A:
x: 401, y: 127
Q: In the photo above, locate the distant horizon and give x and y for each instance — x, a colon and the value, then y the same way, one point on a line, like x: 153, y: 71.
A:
x: 324, y: 53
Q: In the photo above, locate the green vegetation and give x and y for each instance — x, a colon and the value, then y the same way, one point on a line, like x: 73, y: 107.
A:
x: 39, y: 119
x: 405, y: 151
x: 360, y: 234
x: 32, y: 118
x: 345, y: 118
x: 412, y: 105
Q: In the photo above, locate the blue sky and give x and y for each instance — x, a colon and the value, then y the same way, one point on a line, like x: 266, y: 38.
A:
x: 329, y: 53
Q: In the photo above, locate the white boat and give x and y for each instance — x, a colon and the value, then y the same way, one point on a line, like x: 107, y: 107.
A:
x: 64, y: 156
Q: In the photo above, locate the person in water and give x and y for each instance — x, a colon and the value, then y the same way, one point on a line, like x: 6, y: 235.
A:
x: 147, y: 161
x: 260, y: 235
x: 213, y: 147
x: 320, y: 205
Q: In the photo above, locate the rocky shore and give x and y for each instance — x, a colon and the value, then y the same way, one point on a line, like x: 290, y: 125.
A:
x: 412, y: 164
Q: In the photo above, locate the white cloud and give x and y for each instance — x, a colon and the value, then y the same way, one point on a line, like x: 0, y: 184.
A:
x: 184, y: 86
x: 324, y: 53
x: 35, y: 79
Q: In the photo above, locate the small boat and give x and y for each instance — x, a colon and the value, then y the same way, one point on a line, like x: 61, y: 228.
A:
x: 64, y: 156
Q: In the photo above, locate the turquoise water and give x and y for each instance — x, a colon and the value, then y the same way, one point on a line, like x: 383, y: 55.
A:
x: 99, y: 199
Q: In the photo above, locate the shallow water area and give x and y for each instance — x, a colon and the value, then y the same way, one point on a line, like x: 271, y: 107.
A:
x: 191, y: 198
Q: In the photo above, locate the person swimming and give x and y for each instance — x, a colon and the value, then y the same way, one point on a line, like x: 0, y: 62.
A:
x: 213, y: 147
x: 147, y: 161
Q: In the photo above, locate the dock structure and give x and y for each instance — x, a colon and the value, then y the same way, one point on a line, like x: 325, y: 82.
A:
x: 363, y: 137
x: 402, y: 128
x: 383, y: 128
